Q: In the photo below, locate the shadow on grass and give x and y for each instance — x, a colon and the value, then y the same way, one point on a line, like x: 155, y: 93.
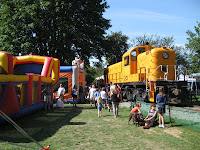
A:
x: 40, y: 125
x: 90, y: 107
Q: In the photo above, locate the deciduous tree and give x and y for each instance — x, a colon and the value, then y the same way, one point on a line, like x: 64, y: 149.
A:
x: 194, y: 46
x: 116, y: 45
x: 182, y: 55
x: 59, y: 28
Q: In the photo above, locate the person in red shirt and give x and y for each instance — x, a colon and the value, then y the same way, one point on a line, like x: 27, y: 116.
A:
x: 118, y: 88
x: 136, y: 114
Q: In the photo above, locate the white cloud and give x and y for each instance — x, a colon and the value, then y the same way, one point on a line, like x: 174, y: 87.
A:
x: 142, y: 14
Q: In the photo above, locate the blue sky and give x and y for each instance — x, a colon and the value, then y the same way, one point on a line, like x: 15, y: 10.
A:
x: 161, y: 17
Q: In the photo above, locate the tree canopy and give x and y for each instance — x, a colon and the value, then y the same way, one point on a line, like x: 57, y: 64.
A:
x: 194, y: 46
x: 59, y: 28
x: 116, y: 45
x: 182, y: 57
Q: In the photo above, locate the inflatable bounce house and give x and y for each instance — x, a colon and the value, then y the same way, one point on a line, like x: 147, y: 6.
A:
x: 70, y: 76
x: 22, y: 78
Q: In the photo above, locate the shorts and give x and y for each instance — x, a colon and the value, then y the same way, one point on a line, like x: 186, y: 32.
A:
x: 161, y: 110
x: 154, y: 121
x: 91, y: 98
x: 47, y: 98
x: 100, y: 106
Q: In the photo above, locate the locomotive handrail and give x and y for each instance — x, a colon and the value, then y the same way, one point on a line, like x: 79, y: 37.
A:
x: 145, y: 74
x: 146, y: 77
x: 150, y: 77
x: 160, y: 78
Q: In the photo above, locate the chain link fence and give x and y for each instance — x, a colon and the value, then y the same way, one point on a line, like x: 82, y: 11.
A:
x: 185, y: 116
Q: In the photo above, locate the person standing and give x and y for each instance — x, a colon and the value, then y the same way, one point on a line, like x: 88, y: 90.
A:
x: 91, y: 94
x: 115, y: 100
x: 61, y: 92
x: 118, y: 88
x: 109, y: 102
x: 75, y: 95
x: 161, y: 99
x: 47, y: 97
x: 103, y: 95
x: 96, y: 96
x: 99, y: 105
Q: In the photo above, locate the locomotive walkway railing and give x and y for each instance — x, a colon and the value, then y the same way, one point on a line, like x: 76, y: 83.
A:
x: 165, y: 74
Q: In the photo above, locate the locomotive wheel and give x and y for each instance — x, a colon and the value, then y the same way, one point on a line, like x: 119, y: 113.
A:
x: 129, y: 95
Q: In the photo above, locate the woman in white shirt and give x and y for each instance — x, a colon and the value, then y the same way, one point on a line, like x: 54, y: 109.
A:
x: 103, y: 95
x: 91, y: 95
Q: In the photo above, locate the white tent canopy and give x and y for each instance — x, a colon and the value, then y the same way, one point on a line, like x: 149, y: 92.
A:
x: 101, y: 77
x: 188, y: 78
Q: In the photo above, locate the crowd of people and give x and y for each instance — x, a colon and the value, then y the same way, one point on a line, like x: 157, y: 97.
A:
x: 109, y: 98
x: 101, y: 98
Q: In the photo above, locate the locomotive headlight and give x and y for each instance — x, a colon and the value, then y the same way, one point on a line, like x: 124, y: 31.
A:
x: 165, y: 55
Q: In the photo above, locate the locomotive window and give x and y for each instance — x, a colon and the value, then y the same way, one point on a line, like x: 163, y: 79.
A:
x: 141, y: 50
x: 133, y: 56
x: 126, y: 61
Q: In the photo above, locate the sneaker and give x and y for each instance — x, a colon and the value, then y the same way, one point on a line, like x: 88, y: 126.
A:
x: 160, y: 126
x: 163, y: 126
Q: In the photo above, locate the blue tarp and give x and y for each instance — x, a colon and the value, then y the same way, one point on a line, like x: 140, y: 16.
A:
x: 65, y: 68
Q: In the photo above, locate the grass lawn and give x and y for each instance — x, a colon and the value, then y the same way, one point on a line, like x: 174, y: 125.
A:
x: 80, y: 128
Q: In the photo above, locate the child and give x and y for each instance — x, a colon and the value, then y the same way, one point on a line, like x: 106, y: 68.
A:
x: 151, y: 118
x: 161, y: 100
x: 136, y: 114
x: 109, y: 103
x: 47, y: 97
x: 103, y: 95
x: 99, y: 105
x: 96, y: 95
x: 74, y: 95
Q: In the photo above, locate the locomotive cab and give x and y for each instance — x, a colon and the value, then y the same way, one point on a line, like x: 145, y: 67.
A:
x: 130, y: 62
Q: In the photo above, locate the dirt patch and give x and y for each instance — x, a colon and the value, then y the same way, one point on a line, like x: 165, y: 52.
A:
x: 173, y: 131
x: 149, y: 131
x: 107, y: 120
x: 151, y: 145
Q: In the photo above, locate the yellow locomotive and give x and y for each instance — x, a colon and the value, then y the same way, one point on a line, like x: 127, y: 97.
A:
x: 143, y: 70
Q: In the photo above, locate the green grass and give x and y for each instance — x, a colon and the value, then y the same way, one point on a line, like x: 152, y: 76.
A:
x: 80, y: 128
